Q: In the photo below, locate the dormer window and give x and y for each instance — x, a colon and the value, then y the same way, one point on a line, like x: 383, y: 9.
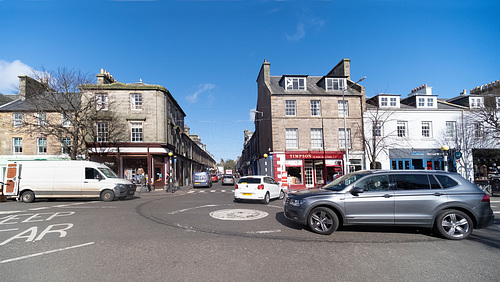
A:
x: 295, y: 83
x: 476, y: 102
x: 426, y: 102
x: 387, y: 101
x: 335, y: 83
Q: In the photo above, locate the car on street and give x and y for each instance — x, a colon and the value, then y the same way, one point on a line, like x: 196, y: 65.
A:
x: 201, y: 179
x: 444, y: 201
x: 227, y: 180
x: 214, y: 178
x: 258, y: 187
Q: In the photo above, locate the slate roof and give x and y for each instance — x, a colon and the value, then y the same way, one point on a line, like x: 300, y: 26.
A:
x: 33, y: 104
x: 4, y: 99
x: 312, y: 87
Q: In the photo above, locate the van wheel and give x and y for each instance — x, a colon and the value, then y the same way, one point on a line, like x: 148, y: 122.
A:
x: 282, y: 195
x: 107, y: 196
x: 28, y: 197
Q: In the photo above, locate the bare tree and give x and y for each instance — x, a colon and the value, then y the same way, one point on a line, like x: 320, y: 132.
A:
x: 375, y: 139
x: 73, y: 113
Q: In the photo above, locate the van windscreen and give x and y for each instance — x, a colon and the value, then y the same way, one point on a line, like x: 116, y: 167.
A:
x: 108, y: 172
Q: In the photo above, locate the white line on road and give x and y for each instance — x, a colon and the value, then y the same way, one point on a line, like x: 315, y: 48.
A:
x: 44, y: 253
x: 13, y: 229
x: 40, y: 208
x: 264, y: 231
x: 7, y: 212
x: 205, y: 206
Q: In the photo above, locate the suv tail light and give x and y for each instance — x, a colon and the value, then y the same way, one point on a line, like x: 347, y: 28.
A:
x: 260, y: 187
x: 235, y: 186
x: 486, y: 198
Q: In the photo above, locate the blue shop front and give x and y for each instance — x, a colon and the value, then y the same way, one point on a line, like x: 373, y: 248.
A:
x: 421, y: 159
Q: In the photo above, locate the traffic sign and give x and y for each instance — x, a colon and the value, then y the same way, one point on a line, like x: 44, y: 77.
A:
x: 458, y: 155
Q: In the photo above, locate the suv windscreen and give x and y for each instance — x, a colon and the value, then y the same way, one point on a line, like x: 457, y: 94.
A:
x: 342, y: 182
x: 249, y: 180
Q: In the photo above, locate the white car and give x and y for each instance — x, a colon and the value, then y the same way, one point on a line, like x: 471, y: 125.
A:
x: 258, y: 187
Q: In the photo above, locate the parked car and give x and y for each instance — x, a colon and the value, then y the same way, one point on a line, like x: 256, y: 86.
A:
x: 258, y: 187
x: 214, y: 177
x: 201, y: 179
x: 227, y: 180
x: 430, y: 199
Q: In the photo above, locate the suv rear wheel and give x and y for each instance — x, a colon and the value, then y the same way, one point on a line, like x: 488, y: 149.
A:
x: 323, y: 221
x: 453, y: 224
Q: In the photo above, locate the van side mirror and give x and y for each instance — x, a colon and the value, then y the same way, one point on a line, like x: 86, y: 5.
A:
x: 99, y: 177
x: 356, y: 190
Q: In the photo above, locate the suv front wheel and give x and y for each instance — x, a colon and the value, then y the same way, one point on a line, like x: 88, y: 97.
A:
x: 453, y: 224
x: 323, y: 221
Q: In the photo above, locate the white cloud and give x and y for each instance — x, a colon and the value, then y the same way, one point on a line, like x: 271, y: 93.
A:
x: 299, y: 34
x: 9, y: 72
x: 203, y: 88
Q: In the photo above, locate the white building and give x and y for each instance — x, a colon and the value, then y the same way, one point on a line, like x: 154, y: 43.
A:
x: 416, y: 132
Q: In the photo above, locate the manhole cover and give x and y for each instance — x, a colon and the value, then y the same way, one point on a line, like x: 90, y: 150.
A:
x: 238, y: 214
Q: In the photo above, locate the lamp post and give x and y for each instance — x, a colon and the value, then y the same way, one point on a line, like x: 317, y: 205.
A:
x: 170, y: 154
x: 265, y: 156
x: 445, y: 149
x: 344, y: 107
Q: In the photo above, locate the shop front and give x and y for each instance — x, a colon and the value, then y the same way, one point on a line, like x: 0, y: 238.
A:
x: 129, y: 161
x: 421, y: 159
x: 301, y: 170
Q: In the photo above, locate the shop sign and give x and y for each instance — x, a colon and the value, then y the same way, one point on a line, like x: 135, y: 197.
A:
x: 333, y: 162
x: 314, y: 155
x: 293, y: 163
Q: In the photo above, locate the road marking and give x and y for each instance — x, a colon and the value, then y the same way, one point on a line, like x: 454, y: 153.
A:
x: 264, y: 231
x: 238, y: 214
x: 47, y: 252
x: 191, y: 192
x: 7, y: 212
x: 13, y: 229
x: 199, y: 207
x: 40, y: 208
x: 212, y: 191
x: 223, y: 191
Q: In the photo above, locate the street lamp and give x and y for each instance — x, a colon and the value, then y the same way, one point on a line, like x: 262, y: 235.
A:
x: 445, y: 149
x: 265, y: 156
x: 346, y: 163
x: 170, y: 154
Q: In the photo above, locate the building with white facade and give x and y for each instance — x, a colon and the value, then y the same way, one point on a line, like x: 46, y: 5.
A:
x: 418, y: 132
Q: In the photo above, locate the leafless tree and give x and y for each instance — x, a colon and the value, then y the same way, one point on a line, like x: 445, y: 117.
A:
x: 73, y: 113
x: 375, y: 139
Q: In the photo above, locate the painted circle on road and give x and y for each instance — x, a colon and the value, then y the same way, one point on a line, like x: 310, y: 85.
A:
x: 238, y: 214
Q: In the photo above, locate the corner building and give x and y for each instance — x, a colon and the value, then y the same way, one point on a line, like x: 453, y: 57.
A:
x: 303, y: 124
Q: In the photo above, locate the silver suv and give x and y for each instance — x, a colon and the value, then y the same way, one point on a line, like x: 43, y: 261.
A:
x: 431, y: 199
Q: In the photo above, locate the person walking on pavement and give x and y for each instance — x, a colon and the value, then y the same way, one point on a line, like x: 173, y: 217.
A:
x: 144, y: 184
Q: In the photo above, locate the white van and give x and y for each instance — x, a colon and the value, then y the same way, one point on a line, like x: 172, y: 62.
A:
x: 64, y: 179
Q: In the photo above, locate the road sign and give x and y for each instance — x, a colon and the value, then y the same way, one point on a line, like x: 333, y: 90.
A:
x: 458, y: 155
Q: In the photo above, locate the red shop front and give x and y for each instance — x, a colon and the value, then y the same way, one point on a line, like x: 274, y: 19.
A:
x: 301, y: 170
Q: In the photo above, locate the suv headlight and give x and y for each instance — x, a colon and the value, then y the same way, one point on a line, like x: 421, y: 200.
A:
x: 296, y: 203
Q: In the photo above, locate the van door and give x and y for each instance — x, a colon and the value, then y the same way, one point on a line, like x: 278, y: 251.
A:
x: 11, y: 186
x: 92, y: 183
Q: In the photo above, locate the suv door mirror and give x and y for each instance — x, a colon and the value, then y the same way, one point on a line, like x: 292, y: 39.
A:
x: 356, y: 190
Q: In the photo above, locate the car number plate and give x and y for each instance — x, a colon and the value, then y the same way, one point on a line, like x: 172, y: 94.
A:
x: 247, y: 194
x: 196, y: 183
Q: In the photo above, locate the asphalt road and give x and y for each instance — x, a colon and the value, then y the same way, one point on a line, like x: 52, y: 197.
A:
x: 201, y: 234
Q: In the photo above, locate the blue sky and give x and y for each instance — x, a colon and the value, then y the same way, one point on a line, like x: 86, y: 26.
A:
x: 208, y: 53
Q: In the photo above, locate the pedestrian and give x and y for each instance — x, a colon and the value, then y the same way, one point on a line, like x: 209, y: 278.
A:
x: 167, y: 180
x: 140, y: 174
x: 144, y: 184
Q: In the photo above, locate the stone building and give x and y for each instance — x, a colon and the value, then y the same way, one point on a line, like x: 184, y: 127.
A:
x: 155, y: 136
x: 300, y: 126
x: 24, y: 120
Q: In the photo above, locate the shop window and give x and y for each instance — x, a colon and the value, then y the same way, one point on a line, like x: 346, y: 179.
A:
x: 294, y: 175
